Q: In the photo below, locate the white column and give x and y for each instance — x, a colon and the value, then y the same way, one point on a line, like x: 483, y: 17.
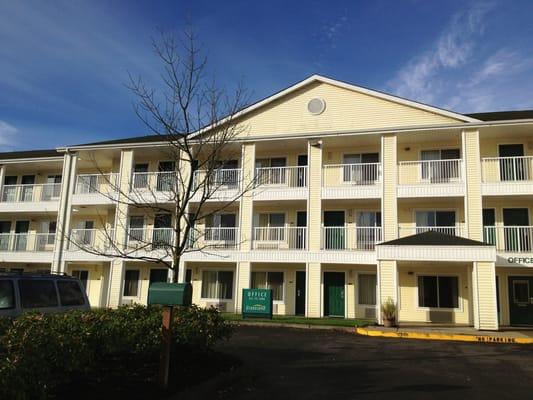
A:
x: 64, y: 213
x: 387, y: 277
x: 484, y: 296
x: 2, y: 178
x: 244, y: 271
x: 116, y: 283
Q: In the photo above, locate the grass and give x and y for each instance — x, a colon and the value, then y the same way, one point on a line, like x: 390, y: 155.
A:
x: 289, y: 319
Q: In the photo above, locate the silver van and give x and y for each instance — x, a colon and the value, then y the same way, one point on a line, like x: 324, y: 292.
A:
x: 46, y: 293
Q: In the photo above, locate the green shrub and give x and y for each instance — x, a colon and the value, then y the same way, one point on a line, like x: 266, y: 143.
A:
x: 43, y: 352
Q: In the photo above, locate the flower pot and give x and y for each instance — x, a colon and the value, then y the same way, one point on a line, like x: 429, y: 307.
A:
x: 389, y: 322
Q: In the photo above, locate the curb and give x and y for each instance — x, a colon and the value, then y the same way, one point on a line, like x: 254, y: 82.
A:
x: 295, y: 326
x: 444, y: 336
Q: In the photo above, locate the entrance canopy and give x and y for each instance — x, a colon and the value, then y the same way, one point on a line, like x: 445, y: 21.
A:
x: 435, y: 246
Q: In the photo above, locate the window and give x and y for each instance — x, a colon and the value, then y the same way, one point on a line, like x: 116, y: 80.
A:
x: 438, y: 291
x: 269, y: 280
x: 360, y: 168
x: 440, y: 221
x: 440, y: 171
x: 52, y: 226
x: 7, y: 295
x: 136, y: 228
x: 271, y: 171
x: 367, y: 289
x: 140, y: 176
x: 37, y: 293
x: 83, y: 276
x: 131, y: 283
x: 272, y: 227
x: 70, y: 293
x: 217, y: 285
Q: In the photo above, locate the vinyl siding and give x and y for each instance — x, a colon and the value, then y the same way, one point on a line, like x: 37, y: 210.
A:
x: 345, y: 110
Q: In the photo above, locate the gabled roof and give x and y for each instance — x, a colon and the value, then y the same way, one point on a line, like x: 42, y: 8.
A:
x: 284, y: 92
x: 503, y: 115
x: 433, y: 238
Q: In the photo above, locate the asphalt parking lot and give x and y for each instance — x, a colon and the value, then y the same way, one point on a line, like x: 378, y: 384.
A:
x: 283, y: 363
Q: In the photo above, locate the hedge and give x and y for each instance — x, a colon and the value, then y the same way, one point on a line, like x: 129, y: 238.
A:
x: 40, y: 353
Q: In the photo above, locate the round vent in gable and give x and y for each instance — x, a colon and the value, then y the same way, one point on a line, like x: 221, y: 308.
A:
x: 316, y: 106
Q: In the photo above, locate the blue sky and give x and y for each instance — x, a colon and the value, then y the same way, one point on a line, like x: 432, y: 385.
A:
x: 64, y: 64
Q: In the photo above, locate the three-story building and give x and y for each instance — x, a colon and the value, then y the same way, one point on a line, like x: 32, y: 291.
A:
x: 359, y: 196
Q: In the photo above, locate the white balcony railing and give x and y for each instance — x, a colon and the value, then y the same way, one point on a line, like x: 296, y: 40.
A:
x: 280, y: 238
x: 20, y: 242
x: 217, y: 238
x: 220, y: 179
x: 91, y: 239
x: 154, y: 181
x: 513, y: 239
x: 30, y: 193
x: 505, y: 169
x: 282, y: 176
x: 150, y: 238
x: 352, y: 174
x: 350, y: 238
x: 430, y: 171
x: 447, y: 230
x: 96, y: 183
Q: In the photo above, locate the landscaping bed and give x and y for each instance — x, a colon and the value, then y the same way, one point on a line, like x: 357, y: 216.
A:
x: 287, y: 319
x: 108, y: 353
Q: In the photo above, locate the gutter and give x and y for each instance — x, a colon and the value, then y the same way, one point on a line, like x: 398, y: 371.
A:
x: 316, y: 135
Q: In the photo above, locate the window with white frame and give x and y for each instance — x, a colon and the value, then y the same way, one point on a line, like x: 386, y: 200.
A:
x: 269, y: 280
x: 438, y: 291
x: 367, y: 289
x: 445, y: 164
x: 360, y: 168
x: 217, y: 285
x: 440, y: 221
x: 131, y: 283
x: 136, y: 231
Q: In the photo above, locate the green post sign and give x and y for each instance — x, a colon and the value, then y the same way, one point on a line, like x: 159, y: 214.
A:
x: 257, y: 303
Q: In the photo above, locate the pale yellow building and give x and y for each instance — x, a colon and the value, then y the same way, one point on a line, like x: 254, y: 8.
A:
x: 350, y: 182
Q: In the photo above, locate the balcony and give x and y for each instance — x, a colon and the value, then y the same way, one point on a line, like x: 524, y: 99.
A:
x: 30, y: 197
x: 509, y: 239
x: 279, y: 238
x: 347, y: 181
x: 27, y: 247
x: 447, y: 230
x: 281, y: 183
x: 507, y: 175
x: 430, y: 178
x: 355, y: 238
x: 91, y: 240
x: 224, y: 184
x: 213, y: 238
x: 96, y: 188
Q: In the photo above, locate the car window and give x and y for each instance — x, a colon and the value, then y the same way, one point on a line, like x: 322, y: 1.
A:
x: 7, y: 295
x: 36, y: 293
x: 70, y: 293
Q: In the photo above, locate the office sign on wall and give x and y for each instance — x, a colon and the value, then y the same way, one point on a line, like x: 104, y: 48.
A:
x: 257, y: 303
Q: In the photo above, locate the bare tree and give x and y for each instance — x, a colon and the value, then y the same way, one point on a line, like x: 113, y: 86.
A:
x: 196, y: 122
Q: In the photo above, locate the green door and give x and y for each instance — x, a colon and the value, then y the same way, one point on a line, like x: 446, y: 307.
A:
x: 521, y: 300
x: 334, y: 294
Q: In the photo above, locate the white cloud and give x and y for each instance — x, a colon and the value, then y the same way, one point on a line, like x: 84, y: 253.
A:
x: 7, y: 132
x: 461, y: 72
x: 452, y: 49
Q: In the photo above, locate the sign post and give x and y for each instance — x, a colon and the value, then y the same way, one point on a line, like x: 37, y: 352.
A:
x: 164, y: 361
x: 257, y: 303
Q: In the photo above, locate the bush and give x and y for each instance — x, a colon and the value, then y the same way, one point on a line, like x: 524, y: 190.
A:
x: 43, y: 352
